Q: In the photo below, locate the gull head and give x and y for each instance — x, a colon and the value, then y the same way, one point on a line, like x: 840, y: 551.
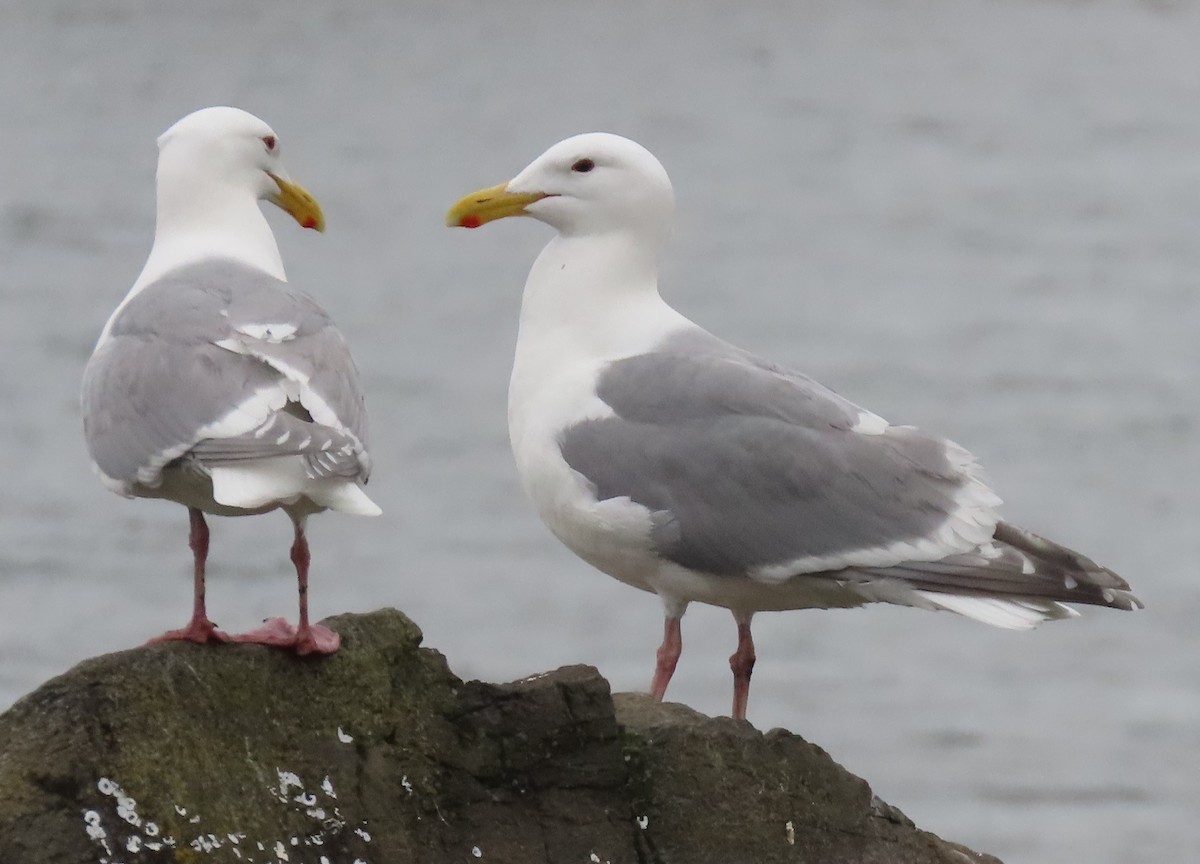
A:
x: 219, y: 155
x: 590, y: 184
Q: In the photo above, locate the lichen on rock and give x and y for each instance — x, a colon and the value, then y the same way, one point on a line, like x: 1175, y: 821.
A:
x: 380, y: 755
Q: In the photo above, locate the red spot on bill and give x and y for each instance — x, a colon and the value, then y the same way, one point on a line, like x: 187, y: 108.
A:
x: 309, y: 222
x: 470, y: 221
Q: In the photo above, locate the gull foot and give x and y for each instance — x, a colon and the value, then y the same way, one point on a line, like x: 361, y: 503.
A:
x: 316, y: 639
x: 199, y: 631
x: 278, y: 633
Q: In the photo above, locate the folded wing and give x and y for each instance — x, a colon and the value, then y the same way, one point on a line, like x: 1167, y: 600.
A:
x: 229, y: 368
x: 753, y: 472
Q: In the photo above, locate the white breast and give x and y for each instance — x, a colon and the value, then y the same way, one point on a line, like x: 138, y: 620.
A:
x: 612, y: 535
x: 553, y: 386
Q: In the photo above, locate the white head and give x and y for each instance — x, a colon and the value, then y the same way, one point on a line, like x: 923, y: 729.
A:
x: 590, y: 184
x: 221, y: 157
x: 214, y: 166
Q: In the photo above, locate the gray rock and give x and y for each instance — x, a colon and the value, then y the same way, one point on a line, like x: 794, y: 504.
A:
x: 238, y: 753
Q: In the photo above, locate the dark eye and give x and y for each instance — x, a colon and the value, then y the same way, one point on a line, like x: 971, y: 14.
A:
x: 269, y: 140
x: 583, y: 166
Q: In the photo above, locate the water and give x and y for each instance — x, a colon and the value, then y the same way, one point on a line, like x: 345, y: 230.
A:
x: 978, y: 217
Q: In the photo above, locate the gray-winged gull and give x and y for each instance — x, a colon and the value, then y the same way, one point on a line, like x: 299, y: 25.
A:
x: 682, y: 465
x: 215, y: 384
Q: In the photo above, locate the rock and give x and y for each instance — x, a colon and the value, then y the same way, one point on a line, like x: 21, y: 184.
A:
x: 238, y: 753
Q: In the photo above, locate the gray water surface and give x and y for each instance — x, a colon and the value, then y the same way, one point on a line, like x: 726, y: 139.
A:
x: 980, y: 218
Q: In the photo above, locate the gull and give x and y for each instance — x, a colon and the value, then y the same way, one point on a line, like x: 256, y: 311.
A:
x: 216, y: 385
x: 690, y: 468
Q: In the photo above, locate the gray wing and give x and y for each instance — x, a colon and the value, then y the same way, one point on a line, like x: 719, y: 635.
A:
x: 223, y: 363
x: 745, y: 466
x: 749, y: 470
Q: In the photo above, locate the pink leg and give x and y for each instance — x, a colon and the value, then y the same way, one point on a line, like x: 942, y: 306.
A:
x: 310, y: 638
x: 199, y: 629
x: 668, y: 656
x: 307, y: 638
x: 742, y: 664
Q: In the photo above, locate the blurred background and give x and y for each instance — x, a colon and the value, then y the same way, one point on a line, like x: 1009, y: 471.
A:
x: 982, y: 218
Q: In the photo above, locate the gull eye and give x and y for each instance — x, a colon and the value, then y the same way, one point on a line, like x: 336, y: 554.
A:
x: 583, y: 166
x: 269, y: 140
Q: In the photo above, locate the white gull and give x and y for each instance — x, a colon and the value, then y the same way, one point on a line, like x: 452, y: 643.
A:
x: 682, y: 465
x: 216, y: 385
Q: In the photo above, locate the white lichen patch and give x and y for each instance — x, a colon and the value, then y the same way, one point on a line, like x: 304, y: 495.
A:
x: 327, y: 787
x: 643, y: 822
x: 789, y: 832
x: 95, y: 829
x: 127, y: 810
x: 476, y: 851
x: 344, y: 737
x: 115, y: 823
x: 287, y: 779
x: 205, y: 843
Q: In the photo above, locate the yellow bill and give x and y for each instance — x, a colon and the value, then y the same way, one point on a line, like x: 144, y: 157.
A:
x: 299, y: 202
x: 487, y: 205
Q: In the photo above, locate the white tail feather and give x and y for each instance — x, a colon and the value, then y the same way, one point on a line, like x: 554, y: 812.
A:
x: 258, y: 483
x: 1010, y: 614
x: 283, y: 480
x: 345, y: 496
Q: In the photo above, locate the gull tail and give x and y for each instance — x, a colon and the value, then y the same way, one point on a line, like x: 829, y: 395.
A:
x: 258, y: 483
x: 1016, y: 581
x: 1009, y: 614
x: 345, y: 496
x: 283, y: 480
